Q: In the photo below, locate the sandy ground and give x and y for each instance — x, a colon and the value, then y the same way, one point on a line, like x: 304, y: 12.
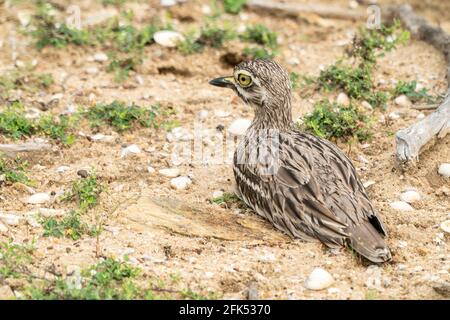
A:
x: 212, y: 247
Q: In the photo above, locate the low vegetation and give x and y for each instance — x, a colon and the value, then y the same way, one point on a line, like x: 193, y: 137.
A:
x: 262, y: 36
x: 409, y: 89
x: 331, y: 120
x: 233, y: 6
x: 12, y: 171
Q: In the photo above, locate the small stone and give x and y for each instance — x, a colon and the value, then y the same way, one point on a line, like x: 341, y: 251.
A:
x: 150, y: 169
x: 410, y: 196
x: 100, y: 57
x: 203, y: 114
x: 420, y: 116
x: 333, y: 290
x: 170, y: 172
x: 369, y: 183
x: 45, y: 212
x: 394, y: 115
x: 401, y: 206
x: 180, y: 183
x: 319, y: 279
x: 343, y: 99
x: 206, y: 9
x: 10, y: 219
x: 444, y: 170
x: 168, y: 38
x: 62, y: 169
x: 6, y: 293
x: 32, y: 221
x: 83, y: 173
x: 92, y: 70
x: 3, y: 228
x: 267, y: 257
x: 168, y: 3
x: 239, y: 127
x: 38, y: 198
x: 102, y: 138
x: 217, y: 194
x: 366, y: 105
x: 293, y: 61
x: 445, y: 226
x: 222, y: 114
x: 403, y: 101
x: 131, y: 149
x: 353, y: 4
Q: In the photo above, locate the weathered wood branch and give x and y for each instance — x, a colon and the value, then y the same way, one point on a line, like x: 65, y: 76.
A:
x: 412, y: 140
x: 294, y: 9
x: 13, y: 149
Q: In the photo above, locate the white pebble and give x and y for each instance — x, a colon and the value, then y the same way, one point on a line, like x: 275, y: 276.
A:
x: 62, y: 169
x: 239, y: 127
x: 92, y: 70
x: 168, y: 3
x: 222, y: 114
x: 401, y: 206
x: 203, y: 114
x: 420, y: 116
x: 150, y: 169
x: 32, y: 222
x: 170, y: 172
x: 446, y: 226
x: 319, y: 279
x: 367, y: 184
x: 38, y: 198
x: 3, y: 228
x: 444, y: 170
x: 167, y: 38
x: 410, y: 196
x: 394, y: 115
x: 293, y: 61
x: 100, y: 57
x: 180, y: 183
x: 343, y: 99
x: 49, y: 212
x: 217, y: 194
x: 366, y: 105
x: 10, y: 219
x: 403, y: 101
x: 131, y: 149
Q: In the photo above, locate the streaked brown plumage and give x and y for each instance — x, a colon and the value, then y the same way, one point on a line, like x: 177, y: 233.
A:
x: 304, y: 185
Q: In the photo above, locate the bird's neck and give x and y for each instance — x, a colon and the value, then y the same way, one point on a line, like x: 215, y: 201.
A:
x: 276, y: 115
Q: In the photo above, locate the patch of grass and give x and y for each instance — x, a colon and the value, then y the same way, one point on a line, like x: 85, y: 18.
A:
x: 13, y: 122
x: 113, y: 2
x: 233, y: 6
x: 355, y: 82
x: 70, y: 226
x: 108, y: 279
x: 409, y: 89
x: 355, y: 77
x: 122, y: 66
x: 14, y: 259
x: 227, y: 198
x: 57, y: 128
x: 190, y: 44
x: 295, y: 80
x: 214, y: 36
x: 24, y: 79
x: 120, y: 116
x: 260, y: 34
x: 86, y: 192
x: 258, y: 53
x: 14, y: 171
x: 371, y: 295
x: 331, y: 120
x: 48, y: 32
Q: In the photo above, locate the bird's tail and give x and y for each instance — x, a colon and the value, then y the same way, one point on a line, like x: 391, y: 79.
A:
x: 368, y: 242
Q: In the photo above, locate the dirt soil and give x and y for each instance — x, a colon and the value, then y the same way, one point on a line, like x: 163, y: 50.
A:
x: 211, y: 247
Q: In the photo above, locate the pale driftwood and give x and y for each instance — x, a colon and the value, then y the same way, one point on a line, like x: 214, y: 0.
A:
x: 13, y: 149
x: 412, y: 140
x: 294, y: 9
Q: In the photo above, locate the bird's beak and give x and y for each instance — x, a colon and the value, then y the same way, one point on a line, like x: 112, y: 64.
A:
x: 226, y: 82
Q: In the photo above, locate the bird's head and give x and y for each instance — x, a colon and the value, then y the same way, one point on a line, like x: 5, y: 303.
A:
x: 264, y: 85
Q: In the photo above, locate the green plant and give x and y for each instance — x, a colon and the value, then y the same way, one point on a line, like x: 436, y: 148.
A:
x: 233, y: 6
x: 260, y: 34
x: 50, y: 33
x: 24, y: 79
x: 14, y: 171
x: 57, y: 128
x: 215, y: 37
x: 13, y: 123
x: 14, y: 259
x: 331, y: 120
x: 86, y: 192
x: 70, y: 226
x: 409, y: 89
x: 190, y: 44
x: 295, y: 79
x: 120, y: 116
x: 258, y: 53
x: 226, y: 198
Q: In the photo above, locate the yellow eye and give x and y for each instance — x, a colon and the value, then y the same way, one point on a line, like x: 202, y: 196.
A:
x: 244, y: 80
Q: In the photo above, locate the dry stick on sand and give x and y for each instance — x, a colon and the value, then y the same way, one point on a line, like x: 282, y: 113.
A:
x: 410, y: 141
x: 12, y: 149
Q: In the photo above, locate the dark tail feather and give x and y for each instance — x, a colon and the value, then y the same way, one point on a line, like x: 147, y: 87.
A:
x: 369, y: 243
